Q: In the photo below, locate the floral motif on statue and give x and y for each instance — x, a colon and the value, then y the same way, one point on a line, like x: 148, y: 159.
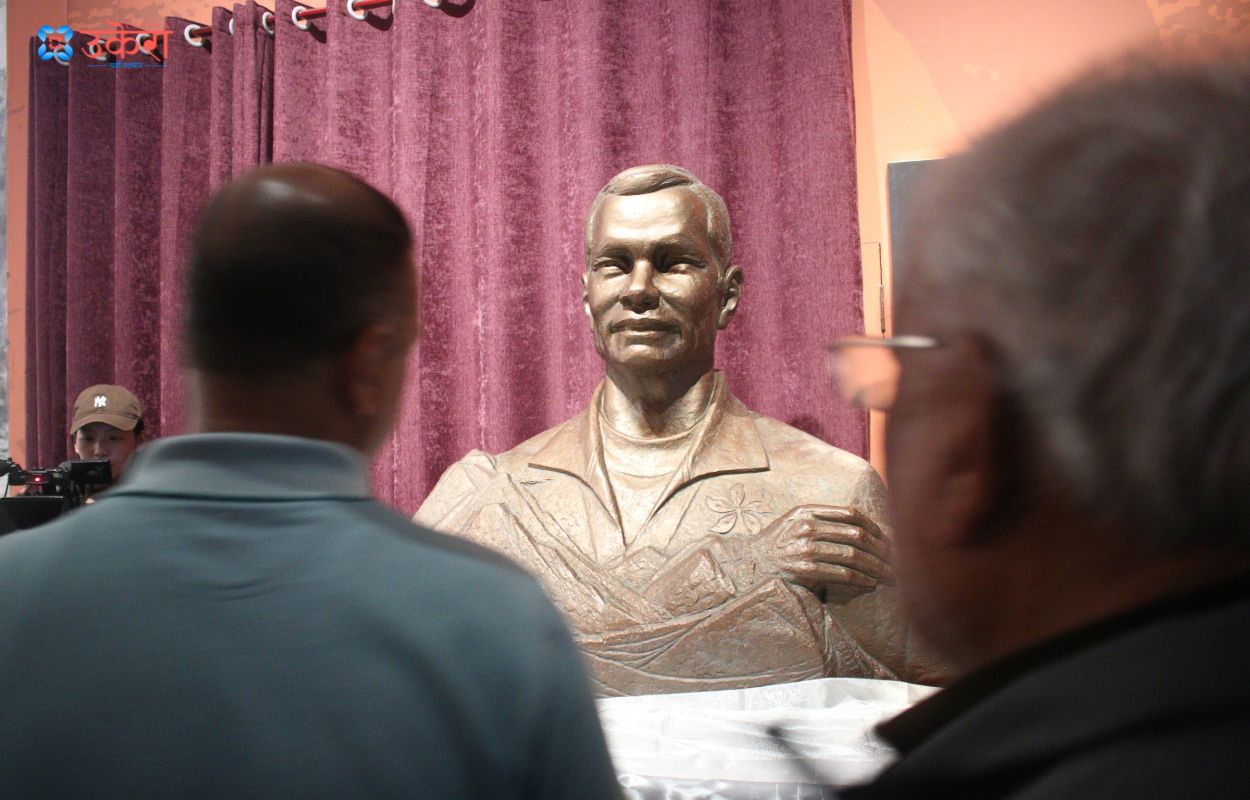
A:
x: 736, y: 511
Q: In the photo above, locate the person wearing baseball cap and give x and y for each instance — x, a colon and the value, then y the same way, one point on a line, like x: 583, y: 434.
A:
x: 107, y: 423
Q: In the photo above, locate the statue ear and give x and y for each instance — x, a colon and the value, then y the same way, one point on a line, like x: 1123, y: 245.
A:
x: 586, y: 294
x: 731, y: 292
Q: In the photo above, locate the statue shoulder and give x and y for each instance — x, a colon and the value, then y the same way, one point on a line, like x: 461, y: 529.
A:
x: 825, y: 473
x: 457, y: 483
x: 461, y: 482
x: 518, y: 458
x: 787, y: 445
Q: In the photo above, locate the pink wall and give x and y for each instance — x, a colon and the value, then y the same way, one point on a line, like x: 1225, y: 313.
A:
x: 929, y: 75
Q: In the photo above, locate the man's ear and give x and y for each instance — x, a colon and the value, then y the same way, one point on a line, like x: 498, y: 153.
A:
x: 943, y: 445
x: 731, y: 292
x: 365, y: 365
x: 972, y: 434
x: 586, y: 294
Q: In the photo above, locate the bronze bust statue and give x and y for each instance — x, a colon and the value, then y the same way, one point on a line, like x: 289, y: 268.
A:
x: 691, y: 543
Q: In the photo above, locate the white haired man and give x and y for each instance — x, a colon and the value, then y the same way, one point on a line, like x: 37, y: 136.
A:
x: 1069, y: 447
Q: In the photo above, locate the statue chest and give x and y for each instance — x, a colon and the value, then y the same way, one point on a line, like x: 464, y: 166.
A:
x: 699, y: 514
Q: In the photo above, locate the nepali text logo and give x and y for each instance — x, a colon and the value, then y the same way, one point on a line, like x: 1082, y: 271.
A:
x: 113, y: 47
x: 54, y: 43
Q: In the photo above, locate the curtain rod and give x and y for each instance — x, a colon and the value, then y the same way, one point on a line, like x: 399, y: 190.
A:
x: 300, y: 15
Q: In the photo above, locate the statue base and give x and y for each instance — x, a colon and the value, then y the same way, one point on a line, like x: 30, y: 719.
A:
x: 742, y: 744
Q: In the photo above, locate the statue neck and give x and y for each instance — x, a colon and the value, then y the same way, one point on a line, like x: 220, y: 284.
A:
x: 656, y: 405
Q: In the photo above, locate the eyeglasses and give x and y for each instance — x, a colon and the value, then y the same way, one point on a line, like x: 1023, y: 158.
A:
x: 867, y: 368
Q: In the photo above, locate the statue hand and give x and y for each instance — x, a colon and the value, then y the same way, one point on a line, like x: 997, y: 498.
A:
x: 835, y: 551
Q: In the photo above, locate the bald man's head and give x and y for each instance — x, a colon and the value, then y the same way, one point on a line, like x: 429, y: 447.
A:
x: 288, y: 264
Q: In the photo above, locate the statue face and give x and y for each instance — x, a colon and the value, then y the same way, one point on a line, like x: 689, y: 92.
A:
x: 653, y: 290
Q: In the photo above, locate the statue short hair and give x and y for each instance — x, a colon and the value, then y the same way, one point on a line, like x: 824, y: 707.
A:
x: 655, y: 177
x: 1100, y: 244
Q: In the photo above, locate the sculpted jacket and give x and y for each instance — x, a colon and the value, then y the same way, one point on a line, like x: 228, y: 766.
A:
x: 688, y: 605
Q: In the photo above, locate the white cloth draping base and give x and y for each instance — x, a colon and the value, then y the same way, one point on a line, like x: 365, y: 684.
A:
x: 722, y: 736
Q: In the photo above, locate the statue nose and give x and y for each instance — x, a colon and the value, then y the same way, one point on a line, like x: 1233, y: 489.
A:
x: 641, y: 294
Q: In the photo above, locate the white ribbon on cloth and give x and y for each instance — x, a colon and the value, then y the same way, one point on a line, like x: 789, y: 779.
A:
x: 702, y: 743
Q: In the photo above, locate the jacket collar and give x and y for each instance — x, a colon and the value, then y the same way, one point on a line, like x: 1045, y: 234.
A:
x: 1085, y: 686
x: 246, y: 466
x: 726, y: 440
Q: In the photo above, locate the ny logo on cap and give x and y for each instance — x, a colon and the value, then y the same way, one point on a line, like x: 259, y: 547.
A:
x: 100, y: 401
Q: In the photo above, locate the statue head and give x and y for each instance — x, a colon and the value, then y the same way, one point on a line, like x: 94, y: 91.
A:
x: 659, y: 283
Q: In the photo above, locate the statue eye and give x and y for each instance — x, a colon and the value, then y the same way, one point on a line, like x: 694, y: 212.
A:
x: 678, y: 263
x: 610, y: 265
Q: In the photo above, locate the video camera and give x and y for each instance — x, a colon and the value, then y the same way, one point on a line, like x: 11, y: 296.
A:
x: 49, y: 492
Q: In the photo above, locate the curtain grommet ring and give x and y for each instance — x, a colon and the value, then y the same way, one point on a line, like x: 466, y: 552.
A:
x: 266, y: 22
x: 194, y: 41
x: 148, y: 51
x: 360, y: 15
x: 92, y: 50
x: 302, y: 24
x: 231, y: 26
x: 151, y: 49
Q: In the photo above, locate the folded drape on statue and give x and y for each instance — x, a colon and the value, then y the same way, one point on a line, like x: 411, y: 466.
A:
x: 633, y: 638
x: 764, y: 628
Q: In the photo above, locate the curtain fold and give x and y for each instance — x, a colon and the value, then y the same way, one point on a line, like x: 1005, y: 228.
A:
x: 136, y: 198
x: 251, y: 89
x: 186, y: 158
x: 89, y: 220
x: 493, y: 125
x: 298, y: 80
x: 220, y: 99
x: 46, y: 234
x: 216, y: 122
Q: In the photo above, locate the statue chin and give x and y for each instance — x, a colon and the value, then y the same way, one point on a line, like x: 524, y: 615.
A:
x: 653, y: 358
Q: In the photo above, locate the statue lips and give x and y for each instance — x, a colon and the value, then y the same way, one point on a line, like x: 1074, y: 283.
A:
x: 643, y: 327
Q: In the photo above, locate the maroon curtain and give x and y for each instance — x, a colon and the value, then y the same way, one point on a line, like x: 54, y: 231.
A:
x: 493, y: 125
x: 216, y: 121
x: 185, y: 180
x: 45, y: 260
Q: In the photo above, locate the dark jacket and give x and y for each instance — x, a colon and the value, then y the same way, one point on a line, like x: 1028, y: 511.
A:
x: 239, y: 619
x: 1153, y: 704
